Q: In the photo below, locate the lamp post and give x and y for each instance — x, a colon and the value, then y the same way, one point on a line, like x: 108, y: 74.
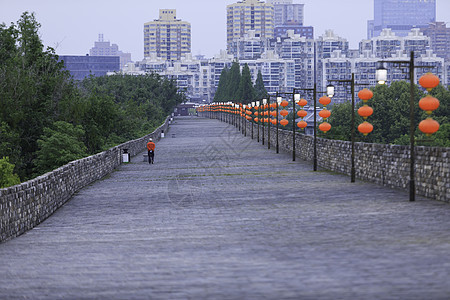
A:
x: 244, y: 119
x: 258, y: 117
x: 279, y: 99
x: 264, y: 102
x: 330, y: 93
x: 295, y: 99
x: 381, y: 77
x: 268, y: 123
x: 352, y: 85
x: 251, y: 106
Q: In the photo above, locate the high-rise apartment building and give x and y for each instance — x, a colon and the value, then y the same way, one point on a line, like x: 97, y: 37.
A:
x: 286, y: 12
x: 290, y: 16
x: 248, y: 15
x: 168, y: 37
x: 401, y: 16
x: 439, y: 35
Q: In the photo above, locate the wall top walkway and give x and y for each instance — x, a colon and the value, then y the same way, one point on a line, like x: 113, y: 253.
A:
x: 220, y: 216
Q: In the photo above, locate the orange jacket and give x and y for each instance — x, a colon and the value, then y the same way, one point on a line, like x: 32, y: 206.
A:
x: 151, y: 146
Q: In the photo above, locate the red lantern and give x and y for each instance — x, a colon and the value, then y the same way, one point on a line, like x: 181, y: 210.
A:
x: 302, y: 124
x: 429, y: 126
x: 302, y: 102
x: 428, y: 104
x: 325, y: 126
x: 325, y: 100
x: 274, y: 121
x: 365, y: 94
x: 365, y: 128
x: 284, y: 103
x: 284, y: 113
x: 365, y: 111
x: 302, y: 113
x: 256, y: 120
x: 325, y: 113
x: 429, y: 81
x: 284, y: 122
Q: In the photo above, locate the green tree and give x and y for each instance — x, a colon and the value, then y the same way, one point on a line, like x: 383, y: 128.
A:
x: 340, y: 121
x: 59, y: 145
x: 221, y: 94
x: 260, y: 89
x: 33, y: 83
x: 234, y: 80
x: 246, y: 90
x: 7, y: 176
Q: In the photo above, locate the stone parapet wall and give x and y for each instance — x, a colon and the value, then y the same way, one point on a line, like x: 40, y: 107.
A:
x: 388, y: 165
x: 24, y: 206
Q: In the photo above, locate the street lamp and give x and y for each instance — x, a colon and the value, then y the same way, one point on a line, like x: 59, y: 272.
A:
x: 264, y: 102
x: 296, y: 98
x: 381, y: 77
x: 331, y: 90
x: 258, y: 117
x: 279, y: 99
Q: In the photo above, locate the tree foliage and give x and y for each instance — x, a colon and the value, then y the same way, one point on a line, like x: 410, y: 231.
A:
x: 221, y: 94
x: 59, y: 145
x: 36, y: 94
x: 7, y: 176
x: 233, y: 82
x: 246, y: 90
x: 260, y: 89
x: 238, y: 87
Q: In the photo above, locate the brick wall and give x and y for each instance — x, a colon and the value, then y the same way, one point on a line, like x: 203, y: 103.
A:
x: 24, y: 206
x: 388, y: 165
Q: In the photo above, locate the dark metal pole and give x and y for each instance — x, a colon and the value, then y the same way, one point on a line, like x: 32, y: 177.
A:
x: 239, y: 116
x: 259, y: 120
x: 251, y: 121
x: 263, y: 124
x: 293, y: 125
x: 268, y: 125
x: 276, y: 101
x: 412, y: 184
x: 315, y: 127
x: 352, y: 177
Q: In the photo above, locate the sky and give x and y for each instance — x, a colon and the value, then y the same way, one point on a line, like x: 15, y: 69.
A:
x: 72, y: 27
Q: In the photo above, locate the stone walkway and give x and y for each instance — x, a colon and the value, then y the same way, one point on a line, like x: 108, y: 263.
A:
x: 218, y: 216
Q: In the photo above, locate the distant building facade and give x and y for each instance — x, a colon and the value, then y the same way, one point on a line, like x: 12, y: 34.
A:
x: 81, y: 67
x: 290, y: 16
x: 439, y: 35
x: 168, y: 37
x: 248, y: 15
x: 401, y: 16
x: 104, y: 48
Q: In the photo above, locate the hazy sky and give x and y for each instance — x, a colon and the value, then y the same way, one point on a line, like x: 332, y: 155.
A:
x: 72, y: 26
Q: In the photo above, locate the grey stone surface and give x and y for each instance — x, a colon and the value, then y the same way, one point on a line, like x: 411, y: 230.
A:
x: 218, y: 216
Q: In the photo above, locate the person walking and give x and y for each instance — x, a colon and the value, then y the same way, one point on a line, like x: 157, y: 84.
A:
x: 151, y: 151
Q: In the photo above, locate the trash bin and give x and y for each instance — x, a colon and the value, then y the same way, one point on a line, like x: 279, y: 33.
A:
x: 125, y: 156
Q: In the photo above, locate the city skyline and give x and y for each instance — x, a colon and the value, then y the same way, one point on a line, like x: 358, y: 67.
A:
x: 73, y: 27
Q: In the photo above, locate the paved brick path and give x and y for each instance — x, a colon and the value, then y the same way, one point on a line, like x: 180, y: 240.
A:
x: 218, y: 216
